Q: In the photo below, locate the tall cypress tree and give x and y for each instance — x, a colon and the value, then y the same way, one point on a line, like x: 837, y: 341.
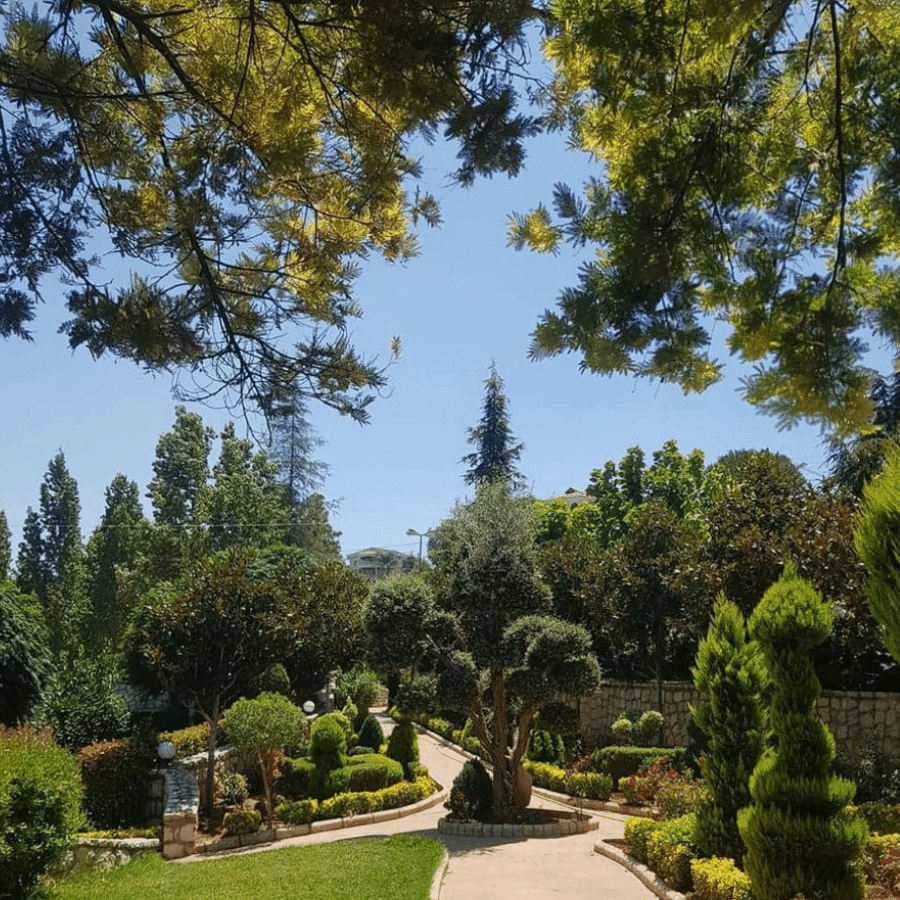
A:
x: 496, y: 451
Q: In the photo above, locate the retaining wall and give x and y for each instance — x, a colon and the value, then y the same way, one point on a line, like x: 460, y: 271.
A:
x: 858, y: 719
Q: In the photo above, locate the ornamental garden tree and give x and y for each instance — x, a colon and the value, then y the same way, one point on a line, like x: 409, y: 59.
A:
x: 511, y: 657
x: 208, y: 642
x: 799, y: 837
x: 264, y: 726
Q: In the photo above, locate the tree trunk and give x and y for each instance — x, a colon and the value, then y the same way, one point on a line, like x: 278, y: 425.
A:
x: 505, y: 807
x: 209, y: 789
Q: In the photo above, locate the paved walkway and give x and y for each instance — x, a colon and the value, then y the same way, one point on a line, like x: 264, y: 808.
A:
x: 502, y: 868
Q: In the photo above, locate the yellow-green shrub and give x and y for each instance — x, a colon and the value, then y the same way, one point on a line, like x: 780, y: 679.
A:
x: 242, y: 821
x: 879, y: 863
x: 297, y: 812
x: 720, y: 879
x: 637, y: 834
x: 670, y: 850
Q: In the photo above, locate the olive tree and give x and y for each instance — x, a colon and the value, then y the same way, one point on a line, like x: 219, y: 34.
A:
x: 512, y: 657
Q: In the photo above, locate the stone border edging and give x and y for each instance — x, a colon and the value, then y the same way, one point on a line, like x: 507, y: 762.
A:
x: 273, y: 835
x: 647, y: 876
x: 567, y: 824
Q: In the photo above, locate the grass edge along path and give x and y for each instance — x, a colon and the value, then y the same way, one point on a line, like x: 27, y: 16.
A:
x: 400, y: 867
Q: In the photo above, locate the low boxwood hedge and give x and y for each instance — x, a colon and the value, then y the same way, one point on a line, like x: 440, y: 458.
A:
x: 621, y: 762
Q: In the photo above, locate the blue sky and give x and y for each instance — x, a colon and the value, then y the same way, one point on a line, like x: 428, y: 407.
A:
x: 466, y: 301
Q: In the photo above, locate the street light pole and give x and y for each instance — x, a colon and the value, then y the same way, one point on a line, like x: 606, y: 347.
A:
x: 420, y: 534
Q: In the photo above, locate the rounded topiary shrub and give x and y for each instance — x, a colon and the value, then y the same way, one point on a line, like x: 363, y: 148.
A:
x: 371, y: 734
x: 403, y: 745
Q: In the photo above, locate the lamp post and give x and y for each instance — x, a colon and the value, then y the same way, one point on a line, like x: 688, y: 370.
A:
x: 419, y: 534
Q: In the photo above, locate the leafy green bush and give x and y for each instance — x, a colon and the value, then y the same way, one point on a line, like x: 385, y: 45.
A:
x: 623, y: 731
x: 545, y: 775
x: 373, y: 772
x: 232, y: 788
x: 879, y: 860
x: 678, y: 798
x: 545, y: 746
x: 648, y: 727
x: 882, y: 818
x: 83, y: 711
x: 620, y: 762
x: 294, y: 780
x: 371, y: 734
x: 471, y: 795
x: 637, y: 834
x: 40, y: 808
x: 242, y: 821
x: 670, y: 850
x: 116, y: 775
x: 297, y: 812
x: 646, y: 784
x: 403, y: 745
x: 275, y: 680
x: 718, y: 878
x: 188, y: 741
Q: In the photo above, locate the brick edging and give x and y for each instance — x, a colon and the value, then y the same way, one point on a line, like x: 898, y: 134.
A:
x: 647, y: 876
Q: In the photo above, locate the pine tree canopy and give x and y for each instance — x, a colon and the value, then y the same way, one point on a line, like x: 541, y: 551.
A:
x: 496, y: 453
x: 243, y: 159
x: 748, y: 174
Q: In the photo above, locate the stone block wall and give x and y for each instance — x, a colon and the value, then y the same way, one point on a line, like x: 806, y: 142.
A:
x: 858, y: 719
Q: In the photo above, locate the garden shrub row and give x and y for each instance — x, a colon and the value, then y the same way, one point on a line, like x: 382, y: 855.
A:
x: 115, y: 776
x: 299, y: 812
x: 586, y: 785
x: 667, y: 847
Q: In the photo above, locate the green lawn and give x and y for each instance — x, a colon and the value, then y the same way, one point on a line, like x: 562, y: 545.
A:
x: 396, y: 868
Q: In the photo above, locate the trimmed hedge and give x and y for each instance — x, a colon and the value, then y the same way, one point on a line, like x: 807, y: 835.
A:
x: 295, y: 777
x: 637, y: 836
x: 670, y: 850
x: 588, y: 785
x: 621, y: 762
x: 116, y: 775
x: 189, y: 741
x: 882, y: 818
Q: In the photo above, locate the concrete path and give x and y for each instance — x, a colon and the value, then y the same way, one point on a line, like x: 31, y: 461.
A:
x: 500, y: 868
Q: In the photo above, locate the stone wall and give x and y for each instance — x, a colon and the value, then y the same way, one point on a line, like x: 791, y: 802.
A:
x: 102, y: 853
x: 858, y: 719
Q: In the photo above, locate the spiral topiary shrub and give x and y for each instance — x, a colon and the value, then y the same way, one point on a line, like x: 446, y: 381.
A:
x: 403, y: 745
x: 327, y: 753
x: 799, y: 834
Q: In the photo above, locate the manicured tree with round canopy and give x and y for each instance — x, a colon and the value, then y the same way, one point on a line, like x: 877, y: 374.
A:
x: 512, y: 656
x: 264, y: 726
x: 799, y: 837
